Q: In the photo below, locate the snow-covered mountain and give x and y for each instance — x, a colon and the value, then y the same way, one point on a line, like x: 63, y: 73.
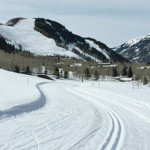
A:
x: 45, y: 37
x: 136, y: 50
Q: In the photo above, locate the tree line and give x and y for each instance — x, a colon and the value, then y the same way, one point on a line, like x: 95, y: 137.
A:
x: 24, y: 62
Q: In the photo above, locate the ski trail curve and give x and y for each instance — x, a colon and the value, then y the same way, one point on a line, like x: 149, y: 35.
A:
x: 26, y: 108
x: 115, y: 137
x: 126, y: 106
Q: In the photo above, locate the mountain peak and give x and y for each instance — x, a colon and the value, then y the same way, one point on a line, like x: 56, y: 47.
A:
x: 46, y: 37
x: 14, y: 21
x: 136, y: 50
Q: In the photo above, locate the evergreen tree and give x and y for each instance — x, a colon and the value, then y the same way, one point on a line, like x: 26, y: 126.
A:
x: 17, y: 69
x: 145, y: 81
x: 27, y: 70
x: 96, y: 75
x: 66, y: 74
x: 114, y: 72
x: 124, y: 71
x: 87, y: 73
x: 20, y: 47
x: 130, y: 72
x: 56, y: 72
x: 45, y: 72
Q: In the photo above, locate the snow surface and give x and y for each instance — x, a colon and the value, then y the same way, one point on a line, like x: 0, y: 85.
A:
x: 93, y: 58
x: 23, y: 33
x: 17, y: 89
x: 79, y: 116
x: 72, y: 46
x: 133, y: 42
x: 92, y: 44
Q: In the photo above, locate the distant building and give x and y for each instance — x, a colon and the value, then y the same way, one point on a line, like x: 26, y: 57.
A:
x: 107, y: 65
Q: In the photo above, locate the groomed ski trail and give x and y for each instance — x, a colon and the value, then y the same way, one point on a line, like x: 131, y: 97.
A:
x: 134, y: 117
x: 114, y: 140
x: 79, y: 116
x: 63, y: 123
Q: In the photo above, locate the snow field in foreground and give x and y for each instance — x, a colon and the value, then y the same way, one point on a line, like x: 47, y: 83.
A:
x: 17, y: 89
x: 66, y: 122
x: 77, y: 116
x: 129, y: 105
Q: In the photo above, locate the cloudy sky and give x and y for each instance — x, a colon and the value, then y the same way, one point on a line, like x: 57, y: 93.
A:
x: 110, y: 21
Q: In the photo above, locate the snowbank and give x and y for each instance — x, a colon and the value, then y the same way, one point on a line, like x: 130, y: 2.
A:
x: 17, y: 89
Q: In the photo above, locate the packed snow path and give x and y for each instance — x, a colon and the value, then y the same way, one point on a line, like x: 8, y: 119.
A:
x: 134, y: 125
x: 79, y: 117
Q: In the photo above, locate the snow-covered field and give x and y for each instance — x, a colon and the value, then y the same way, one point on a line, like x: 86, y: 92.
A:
x: 17, y: 89
x: 76, y: 116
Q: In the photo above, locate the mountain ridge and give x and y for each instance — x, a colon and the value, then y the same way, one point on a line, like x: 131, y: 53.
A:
x: 46, y: 37
x: 135, y: 50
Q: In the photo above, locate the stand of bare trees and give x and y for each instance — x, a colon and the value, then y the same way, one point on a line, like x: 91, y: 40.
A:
x: 9, y: 61
x: 19, y: 61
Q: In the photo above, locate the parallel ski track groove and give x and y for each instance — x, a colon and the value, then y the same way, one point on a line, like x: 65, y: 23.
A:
x: 115, y: 135
x: 131, y: 109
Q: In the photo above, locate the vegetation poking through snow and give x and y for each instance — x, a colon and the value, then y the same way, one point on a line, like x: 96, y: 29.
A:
x: 66, y: 74
x: 96, y: 75
x: 130, y: 72
x: 114, y: 72
x: 87, y: 73
x: 124, y: 71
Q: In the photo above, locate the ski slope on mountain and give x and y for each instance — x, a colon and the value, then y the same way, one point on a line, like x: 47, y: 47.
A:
x: 23, y: 34
x: 78, y: 116
x: 92, y: 44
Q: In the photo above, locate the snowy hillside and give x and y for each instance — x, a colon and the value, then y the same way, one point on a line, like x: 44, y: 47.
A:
x: 75, y: 116
x: 136, y: 50
x: 93, y: 45
x: 23, y: 34
x: 46, y: 37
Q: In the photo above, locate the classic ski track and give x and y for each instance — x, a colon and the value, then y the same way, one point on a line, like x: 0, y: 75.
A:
x: 112, y: 142
x: 127, y: 99
x: 36, y: 140
x: 84, y: 138
x: 116, y: 100
x: 124, y: 105
x: 42, y: 127
x: 114, y: 139
x: 115, y: 134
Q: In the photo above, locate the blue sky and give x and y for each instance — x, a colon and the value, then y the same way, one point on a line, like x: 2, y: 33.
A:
x: 110, y: 21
